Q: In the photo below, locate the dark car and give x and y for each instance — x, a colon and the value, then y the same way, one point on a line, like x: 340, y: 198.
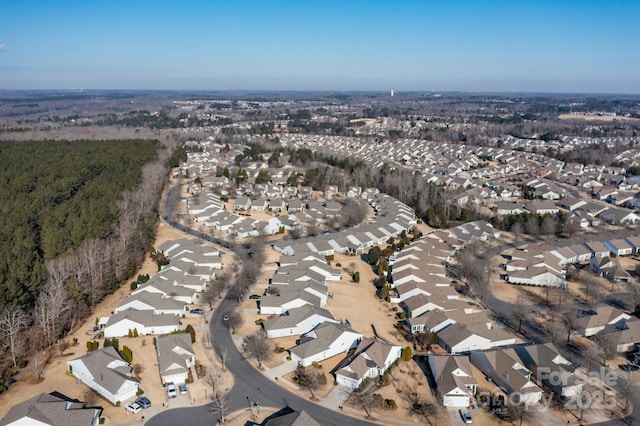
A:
x: 255, y: 296
x: 143, y: 402
x: 196, y: 311
x: 466, y: 417
x: 629, y: 367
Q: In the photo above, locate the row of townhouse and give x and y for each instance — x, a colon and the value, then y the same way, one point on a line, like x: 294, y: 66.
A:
x: 431, y: 302
x: 391, y: 220
x: 524, y: 370
x: 545, y: 264
x: 619, y: 330
x: 298, y: 294
x: 154, y: 308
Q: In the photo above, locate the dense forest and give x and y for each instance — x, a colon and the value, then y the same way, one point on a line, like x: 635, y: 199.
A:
x: 54, y: 196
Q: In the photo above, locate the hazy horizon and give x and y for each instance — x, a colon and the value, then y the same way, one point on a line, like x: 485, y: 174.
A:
x: 510, y: 47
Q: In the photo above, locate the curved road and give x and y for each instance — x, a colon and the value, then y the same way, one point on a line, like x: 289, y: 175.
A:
x: 248, y: 382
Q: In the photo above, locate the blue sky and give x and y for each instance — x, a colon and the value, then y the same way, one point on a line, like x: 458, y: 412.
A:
x: 518, y: 45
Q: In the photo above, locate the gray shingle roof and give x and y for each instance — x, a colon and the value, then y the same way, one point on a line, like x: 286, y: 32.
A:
x: 51, y: 409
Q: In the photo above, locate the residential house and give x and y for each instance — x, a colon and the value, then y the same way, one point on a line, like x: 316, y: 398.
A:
x: 155, y: 302
x: 175, y: 357
x: 541, y: 207
x: 627, y: 339
x: 458, y: 338
x: 551, y: 368
x: 593, y: 321
x: 242, y: 203
x: 619, y: 247
x: 537, y: 275
x: 597, y: 249
x: 291, y: 418
x: 618, y: 216
x: 145, y: 322
x: 297, y: 321
x: 454, y: 377
x: 51, y: 409
x: 372, y: 358
x: 504, y: 208
x: 105, y: 371
x: 505, y: 369
x: 325, y: 341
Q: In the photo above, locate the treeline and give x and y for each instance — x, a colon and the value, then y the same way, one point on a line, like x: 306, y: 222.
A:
x: 79, y: 218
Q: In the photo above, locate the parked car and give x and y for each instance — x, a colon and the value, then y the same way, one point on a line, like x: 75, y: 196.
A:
x: 183, y: 388
x: 171, y: 390
x: 225, y: 317
x: 196, y: 311
x: 466, y: 416
x: 254, y: 296
x: 133, y: 407
x: 628, y: 367
x: 143, y: 401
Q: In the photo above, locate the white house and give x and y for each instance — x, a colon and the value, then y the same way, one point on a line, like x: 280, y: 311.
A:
x: 145, y: 322
x: 454, y: 377
x: 505, y: 369
x: 297, y: 321
x: 326, y: 341
x: 536, y: 275
x: 458, y: 338
x: 105, y: 371
x: 155, y: 302
x: 552, y: 369
x: 370, y: 359
x: 175, y: 357
x: 51, y: 409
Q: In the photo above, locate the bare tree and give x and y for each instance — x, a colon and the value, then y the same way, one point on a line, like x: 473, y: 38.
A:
x: 221, y: 407
x: 90, y: 397
x: 234, y: 320
x: 215, y: 380
x: 363, y: 396
x: 531, y: 225
x: 138, y: 369
x: 354, y: 211
x: 39, y: 363
x: 517, y: 230
x: 62, y: 346
x: 13, y: 321
x: 258, y: 347
x: 570, y: 321
x: 309, y: 379
x: 224, y: 357
x: 519, y: 315
x: 548, y: 226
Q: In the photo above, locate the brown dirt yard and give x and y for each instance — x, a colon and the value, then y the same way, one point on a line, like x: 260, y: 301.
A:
x: 55, y: 376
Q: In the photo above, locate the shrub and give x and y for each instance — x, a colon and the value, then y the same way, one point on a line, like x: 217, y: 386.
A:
x: 135, y: 332
x: 406, y: 353
x: 117, y: 403
x: 356, y: 277
x: 133, y: 285
x: 316, y: 364
x: 102, y: 420
x: 140, y: 392
x: 22, y: 363
x: 390, y: 404
x: 189, y: 329
x: 259, y: 321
